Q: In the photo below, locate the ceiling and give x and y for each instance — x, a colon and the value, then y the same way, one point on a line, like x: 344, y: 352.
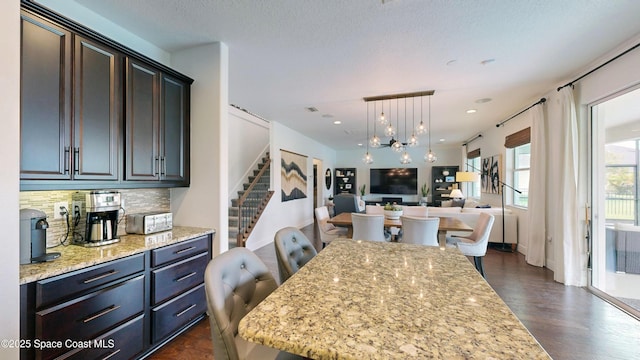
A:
x: 287, y: 55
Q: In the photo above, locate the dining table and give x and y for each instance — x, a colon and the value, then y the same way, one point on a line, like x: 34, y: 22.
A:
x: 359, y: 299
x: 445, y: 224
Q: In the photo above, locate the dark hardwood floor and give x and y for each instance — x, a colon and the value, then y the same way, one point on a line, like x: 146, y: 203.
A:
x: 569, y: 322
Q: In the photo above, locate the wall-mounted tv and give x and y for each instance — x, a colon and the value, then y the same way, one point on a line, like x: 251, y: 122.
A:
x: 394, y: 181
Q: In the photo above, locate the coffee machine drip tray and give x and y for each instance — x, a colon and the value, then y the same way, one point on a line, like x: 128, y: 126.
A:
x: 99, y: 243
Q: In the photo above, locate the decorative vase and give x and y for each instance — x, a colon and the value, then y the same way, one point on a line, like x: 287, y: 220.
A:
x: 392, y: 214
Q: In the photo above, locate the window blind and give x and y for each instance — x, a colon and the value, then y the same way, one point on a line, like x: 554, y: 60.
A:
x: 518, y: 138
x: 473, y: 154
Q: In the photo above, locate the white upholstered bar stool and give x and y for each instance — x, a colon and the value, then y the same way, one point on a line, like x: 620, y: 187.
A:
x: 328, y: 232
x: 420, y: 230
x: 368, y: 227
x: 476, y: 243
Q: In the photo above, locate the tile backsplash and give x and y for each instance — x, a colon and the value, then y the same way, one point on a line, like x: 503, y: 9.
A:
x: 135, y: 201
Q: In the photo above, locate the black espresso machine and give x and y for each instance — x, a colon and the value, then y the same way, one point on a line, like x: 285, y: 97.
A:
x: 102, y: 209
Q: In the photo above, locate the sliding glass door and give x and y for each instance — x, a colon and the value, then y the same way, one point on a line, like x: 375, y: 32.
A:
x: 615, y: 164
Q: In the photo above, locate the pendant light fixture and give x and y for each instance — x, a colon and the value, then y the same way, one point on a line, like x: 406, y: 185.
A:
x: 382, y: 119
x: 397, y: 146
x: 413, y: 140
x: 367, y: 159
x: 430, y: 156
x: 421, y: 129
x: 405, y: 158
x: 389, y: 131
x: 375, y: 140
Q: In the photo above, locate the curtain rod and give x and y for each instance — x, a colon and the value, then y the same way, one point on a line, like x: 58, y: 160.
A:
x: 541, y: 101
x: 472, y: 139
x: 599, y: 67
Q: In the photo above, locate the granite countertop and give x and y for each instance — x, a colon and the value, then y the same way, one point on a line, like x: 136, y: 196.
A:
x: 375, y: 300
x: 73, y: 257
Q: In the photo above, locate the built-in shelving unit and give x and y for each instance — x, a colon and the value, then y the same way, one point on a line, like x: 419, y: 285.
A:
x: 345, y: 181
x: 443, y: 180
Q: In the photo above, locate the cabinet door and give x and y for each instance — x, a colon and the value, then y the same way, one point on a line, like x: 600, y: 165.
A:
x: 142, y: 161
x: 45, y: 100
x: 175, y: 131
x: 95, y: 151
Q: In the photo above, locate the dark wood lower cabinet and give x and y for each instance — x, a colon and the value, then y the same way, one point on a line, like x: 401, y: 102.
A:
x: 121, y: 309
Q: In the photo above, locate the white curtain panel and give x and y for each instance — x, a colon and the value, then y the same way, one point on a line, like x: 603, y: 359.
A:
x: 572, y: 269
x: 536, y: 254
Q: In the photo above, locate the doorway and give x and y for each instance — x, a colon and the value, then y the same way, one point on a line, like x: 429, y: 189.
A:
x: 615, y: 185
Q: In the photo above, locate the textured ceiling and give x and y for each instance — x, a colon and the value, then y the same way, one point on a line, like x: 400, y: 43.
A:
x: 286, y: 55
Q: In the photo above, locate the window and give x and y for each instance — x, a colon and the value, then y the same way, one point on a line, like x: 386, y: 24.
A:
x: 473, y: 188
x: 519, y: 144
x: 521, y: 161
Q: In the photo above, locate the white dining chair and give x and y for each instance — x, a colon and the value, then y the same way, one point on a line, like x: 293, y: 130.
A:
x: 328, y: 232
x: 420, y: 230
x: 476, y: 243
x: 418, y: 211
x: 368, y: 227
x: 379, y: 210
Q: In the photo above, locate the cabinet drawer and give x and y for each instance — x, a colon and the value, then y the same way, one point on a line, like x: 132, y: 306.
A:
x: 171, y: 280
x: 57, y: 288
x: 123, y: 342
x: 169, y: 317
x: 90, y: 315
x: 179, y: 251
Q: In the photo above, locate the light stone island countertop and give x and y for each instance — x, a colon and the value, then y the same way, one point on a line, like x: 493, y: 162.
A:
x: 375, y: 300
x: 74, y: 257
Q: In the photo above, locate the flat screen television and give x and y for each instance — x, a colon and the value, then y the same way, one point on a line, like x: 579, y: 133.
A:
x: 394, y: 181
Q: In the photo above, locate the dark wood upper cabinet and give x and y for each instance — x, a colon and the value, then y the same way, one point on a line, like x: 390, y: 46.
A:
x: 157, y: 125
x: 96, y: 125
x: 45, y: 100
x: 175, y: 130
x: 95, y: 114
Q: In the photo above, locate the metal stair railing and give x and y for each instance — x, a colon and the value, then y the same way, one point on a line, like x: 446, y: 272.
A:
x: 251, y: 204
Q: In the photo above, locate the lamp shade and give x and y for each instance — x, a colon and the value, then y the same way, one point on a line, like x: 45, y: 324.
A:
x: 456, y: 194
x: 467, y: 176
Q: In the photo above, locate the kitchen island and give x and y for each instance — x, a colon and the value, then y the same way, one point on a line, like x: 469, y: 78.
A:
x: 377, y: 300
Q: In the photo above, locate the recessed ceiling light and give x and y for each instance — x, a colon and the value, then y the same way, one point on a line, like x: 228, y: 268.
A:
x: 337, y: 122
x: 483, y: 100
x: 360, y: 144
x: 487, y: 61
x: 471, y: 111
x: 442, y: 140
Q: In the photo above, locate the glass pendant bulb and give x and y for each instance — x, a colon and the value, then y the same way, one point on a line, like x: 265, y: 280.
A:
x: 374, y: 141
x: 389, y: 130
x: 421, y: 129
x: 367, y: 159
x: 382, y: 120
x: 405, y: 158
x: 397, y: 146
x: 430, y: 157
x: 413, y: 141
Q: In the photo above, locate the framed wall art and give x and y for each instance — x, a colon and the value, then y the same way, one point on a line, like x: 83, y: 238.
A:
x: 293, y: 175
x: 491, y: 174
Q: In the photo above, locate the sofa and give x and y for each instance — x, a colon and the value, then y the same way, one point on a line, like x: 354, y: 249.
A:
x: 470, y: 217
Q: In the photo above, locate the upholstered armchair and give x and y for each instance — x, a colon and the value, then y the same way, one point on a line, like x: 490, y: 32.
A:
x: 476, y: 243
x: 345, y: 203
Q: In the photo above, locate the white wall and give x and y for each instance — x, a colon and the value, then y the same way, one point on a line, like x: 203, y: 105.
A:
x: 204, y: 203
x: 245, y: 155
x: 386, y: 158
x: 297, y: 213
x: 9, y: 181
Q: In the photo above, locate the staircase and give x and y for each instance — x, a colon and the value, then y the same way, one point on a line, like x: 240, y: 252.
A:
x: 245, y: 211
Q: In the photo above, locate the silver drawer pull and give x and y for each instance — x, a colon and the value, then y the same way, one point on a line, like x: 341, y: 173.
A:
x: 101, y: 313
x: 112, y: 272
x: 184, y: 250
x: 185, y: 310
x: 111, y: 354
x: 185, y: 277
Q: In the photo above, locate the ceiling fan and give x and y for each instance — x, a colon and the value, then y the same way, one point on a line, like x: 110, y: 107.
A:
x: 391, y: 142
